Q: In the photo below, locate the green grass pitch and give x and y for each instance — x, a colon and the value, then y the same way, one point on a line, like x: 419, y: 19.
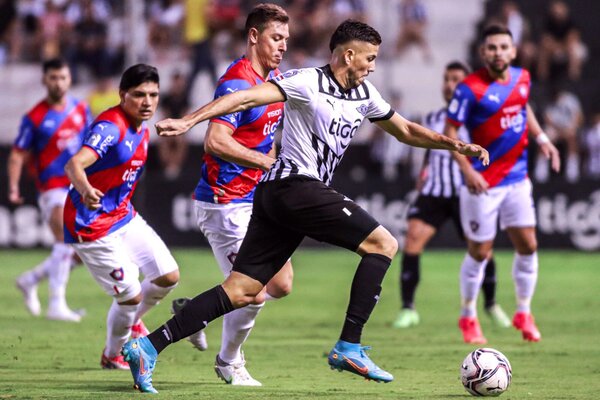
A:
x: 42, y: 359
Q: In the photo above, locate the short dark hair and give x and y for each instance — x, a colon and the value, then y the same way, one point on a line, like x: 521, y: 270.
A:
x: 495, y: 29
x: 354, y: 30
x: 457, y: 65
x: 53, y: 63
x: 138, y: 74
x: 264, y: 13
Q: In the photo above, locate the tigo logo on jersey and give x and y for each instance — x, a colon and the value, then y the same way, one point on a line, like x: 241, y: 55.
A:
x: 271, y: 127
x: 514, y: 121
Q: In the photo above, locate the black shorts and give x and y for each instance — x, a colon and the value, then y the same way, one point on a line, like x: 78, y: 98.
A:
x: 285, y: 211
x: 435, y: 211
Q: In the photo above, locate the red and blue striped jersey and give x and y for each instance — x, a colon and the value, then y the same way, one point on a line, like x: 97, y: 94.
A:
x: 122, y: 153
x: 226, y: 182
x: 495, y: 114
x: 53, y: 136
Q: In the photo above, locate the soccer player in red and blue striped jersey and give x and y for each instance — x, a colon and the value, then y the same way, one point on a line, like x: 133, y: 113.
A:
x: 100, y: 222
x: 239, y: 149
x: 493, y: 105
x: 50, y: 133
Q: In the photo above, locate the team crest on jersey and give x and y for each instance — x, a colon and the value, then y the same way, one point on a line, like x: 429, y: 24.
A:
x: 362, y: 109
x: 287, y: 74
x: 77, y: 119
x: 474, y: 226
x: 523, y: 91
x: 117, y: 274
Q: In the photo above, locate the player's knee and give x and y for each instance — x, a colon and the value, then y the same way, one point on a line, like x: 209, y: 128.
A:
x: 131, y: 302
x: 528, y: 247
x: 281, y: 289
x: 380, y: 241
x: 168, y: 279
x: 389, y: 245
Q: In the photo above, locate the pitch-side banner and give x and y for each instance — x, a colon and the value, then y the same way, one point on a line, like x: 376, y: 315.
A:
x: 568, y: 214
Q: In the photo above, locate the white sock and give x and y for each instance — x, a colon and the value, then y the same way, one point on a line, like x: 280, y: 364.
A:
x: 118, y: 327
x: 152, y: 294
x: 525, y: 272
x: 58, y: 274
x: 236, y: 328
x: 471, y: 277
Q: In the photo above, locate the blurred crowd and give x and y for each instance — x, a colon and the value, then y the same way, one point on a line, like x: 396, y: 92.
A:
x: 92, y: 36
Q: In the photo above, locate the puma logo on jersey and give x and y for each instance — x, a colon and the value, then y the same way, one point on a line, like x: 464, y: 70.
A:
x: 129, y: 143
x: 494, y: 97
x: 231, y: 90
x: 331, y: 103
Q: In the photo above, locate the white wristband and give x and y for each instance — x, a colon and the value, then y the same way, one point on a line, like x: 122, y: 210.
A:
x: 542, y: 138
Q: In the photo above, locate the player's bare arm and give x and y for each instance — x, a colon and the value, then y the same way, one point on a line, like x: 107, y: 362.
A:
x: 16, y: 160
x: 546, y: 147
x: 75, y: 170
x: 219, y: 142
x: 416, y: 135
x: 473, y: 179
x: 260, y: 95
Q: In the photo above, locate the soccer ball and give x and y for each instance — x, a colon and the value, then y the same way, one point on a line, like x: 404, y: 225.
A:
x: 486, y: 372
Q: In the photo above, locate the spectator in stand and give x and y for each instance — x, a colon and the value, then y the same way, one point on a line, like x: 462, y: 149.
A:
x: 413, y: 23
x: 591, y: 140
x: 197, y: 35
x: 164, y: 23
x: 563, y: 119
x: 89, y: 45
x: 8, y: 22
x: 172, y: 151
x: 52, y: 25
x: 561, y: 44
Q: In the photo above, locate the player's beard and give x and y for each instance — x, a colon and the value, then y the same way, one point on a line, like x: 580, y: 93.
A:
x: 498, y: 70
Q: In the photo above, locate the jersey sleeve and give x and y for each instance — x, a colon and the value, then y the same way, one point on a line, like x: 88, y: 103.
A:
x: 460, y: 105
x: 297, y: 85
x: 101, y: 137
x: 25, y: 138
x: 378, y: 108
x: 227, y: 87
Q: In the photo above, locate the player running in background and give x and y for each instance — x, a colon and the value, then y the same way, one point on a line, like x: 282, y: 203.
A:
x: 100, y: 222
x: 324, y: 108
x: 492, y: 103
x: 50, y: 133
x: 239, y: 148
x: 437, y: 202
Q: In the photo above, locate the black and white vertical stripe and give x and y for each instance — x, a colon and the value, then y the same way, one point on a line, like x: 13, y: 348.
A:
x: 443, y: 177
x: 327, y: 162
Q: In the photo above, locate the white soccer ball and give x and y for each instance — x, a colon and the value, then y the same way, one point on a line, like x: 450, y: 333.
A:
x: 486, y: 372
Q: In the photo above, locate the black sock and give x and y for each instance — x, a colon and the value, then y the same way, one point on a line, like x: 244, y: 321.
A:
x: 409, y: 279
x: 197, y: 313
x: 489, y: 284
x: 366, y: 287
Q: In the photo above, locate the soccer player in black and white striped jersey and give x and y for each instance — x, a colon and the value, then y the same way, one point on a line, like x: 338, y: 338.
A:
x: 323, y: 109
x: 439, y: 186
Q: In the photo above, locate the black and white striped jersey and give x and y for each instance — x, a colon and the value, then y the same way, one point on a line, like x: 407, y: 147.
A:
x: 443, y: 176
x: 320, y: 119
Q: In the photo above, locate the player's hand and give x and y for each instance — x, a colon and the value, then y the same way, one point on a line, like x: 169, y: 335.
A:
x: 474, y: 150
x: 91, y: 198
x: 14, y: 196
x: 551, y: 153
x: 172, y: 127
x: 475, y: 182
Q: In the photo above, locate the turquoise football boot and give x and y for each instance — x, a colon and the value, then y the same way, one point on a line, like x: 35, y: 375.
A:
x: 141, y: 356
x: 352, y: 357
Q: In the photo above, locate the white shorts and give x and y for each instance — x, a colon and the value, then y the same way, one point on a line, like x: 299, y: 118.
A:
x: 512, y: 204
x: 224, y: 226
x: 115, y: 261
x: 50, y: 199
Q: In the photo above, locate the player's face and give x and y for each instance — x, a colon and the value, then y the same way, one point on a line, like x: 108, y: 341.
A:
x: 452, y: 77
x: 140, y: 102
x: 57, y: 82
x: 362, y: 62
x: 497, y: 52
x: 271, y: 43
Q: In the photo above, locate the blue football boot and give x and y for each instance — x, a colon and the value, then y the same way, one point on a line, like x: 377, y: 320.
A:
x: 352, y: 357
x: 141, y: 356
